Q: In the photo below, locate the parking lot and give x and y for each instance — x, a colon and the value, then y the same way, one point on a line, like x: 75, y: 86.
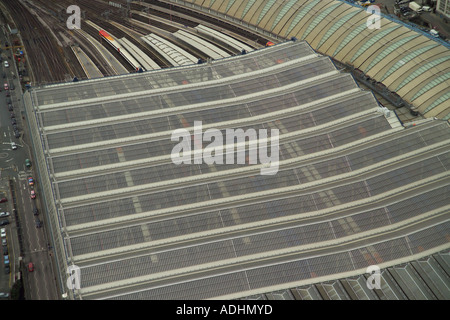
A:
x: 7, y: 239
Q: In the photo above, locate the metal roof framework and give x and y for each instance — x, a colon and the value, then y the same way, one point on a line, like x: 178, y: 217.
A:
x: 423, y: 279
x: 403, y: 58
x: 353, y: 188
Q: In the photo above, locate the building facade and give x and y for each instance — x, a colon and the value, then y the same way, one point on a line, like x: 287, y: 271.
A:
x: 443, y: 6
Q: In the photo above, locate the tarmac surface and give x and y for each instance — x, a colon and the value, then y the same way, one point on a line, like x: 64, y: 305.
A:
x: 26, y: 242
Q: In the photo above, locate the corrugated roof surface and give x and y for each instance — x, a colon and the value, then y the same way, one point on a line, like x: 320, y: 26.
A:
x: 423, y: 279
x: 403, y: 58
x: 352, y: 189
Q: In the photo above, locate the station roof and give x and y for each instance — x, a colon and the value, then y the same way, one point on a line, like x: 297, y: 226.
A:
x: 353, y: 187
x: 401, y: 57
x: 422, y: 279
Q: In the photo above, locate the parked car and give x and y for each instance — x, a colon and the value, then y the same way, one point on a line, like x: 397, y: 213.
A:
x: 10, y: 107
x: 35, y: 211
x: 6, y: 259
x: 13, y: 145
x: 6, y: 63
x: 4, y: 222
x: 434, y: 33
x: 38, y: 223
x: 17, y: 134
x: 5, y: 86
x: 31, y: 267
x: 4, y: 242
x: 13, y: 121
x: 3, y: 200
x: 4, y: 214
x: 33, y: 194
x: 3, y: 232
x: 7, y: 270
x: 30, y: 181
x: 28, y: 163
x: 5, y: 250
x: 11, y: 86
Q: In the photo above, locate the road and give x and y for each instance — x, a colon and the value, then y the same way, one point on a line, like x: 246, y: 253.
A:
x: 26, y: 243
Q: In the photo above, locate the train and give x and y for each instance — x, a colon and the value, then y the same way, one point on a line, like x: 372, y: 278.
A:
x: 124, y: 53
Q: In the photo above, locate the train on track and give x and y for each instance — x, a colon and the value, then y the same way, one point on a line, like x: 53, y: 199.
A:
x: 119, y: 48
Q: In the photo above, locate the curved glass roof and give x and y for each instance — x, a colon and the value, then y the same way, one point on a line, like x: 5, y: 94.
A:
x: 230, y: 3
x: 389, y: 49
x: 444, y: 98
x: 247, y: 7
x: 291, y: 13
x: 301, y: 14
x: 431, y: 85
x: 336, y: 26
x: 264, y: 11
x: 406, y: 59
x: 283, y: 11
x: 320, y: 18
x: 352, y: 35
x: 421, y: 70
x: 371, y: 41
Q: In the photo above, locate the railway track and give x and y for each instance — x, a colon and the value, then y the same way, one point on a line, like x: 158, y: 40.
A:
x: 120, y: 34
x: 102, y: 7
x: 94, y: 33
x: 162, y: 14
x: 48, y: 64
x: 97, y: 12
x: 215, y: 21
x: 54, y: 63
x: 59, y: 31
x: 54, y: 14
x: 155, y: 23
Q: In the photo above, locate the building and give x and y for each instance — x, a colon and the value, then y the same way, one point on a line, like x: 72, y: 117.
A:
x: 402, y: 59
x: 353, y: 187
x: 443, y: 6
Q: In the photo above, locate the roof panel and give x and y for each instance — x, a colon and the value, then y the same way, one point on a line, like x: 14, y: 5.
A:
x: 140, y: 226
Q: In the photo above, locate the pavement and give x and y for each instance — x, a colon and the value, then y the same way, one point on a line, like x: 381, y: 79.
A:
x: 89, y: 67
